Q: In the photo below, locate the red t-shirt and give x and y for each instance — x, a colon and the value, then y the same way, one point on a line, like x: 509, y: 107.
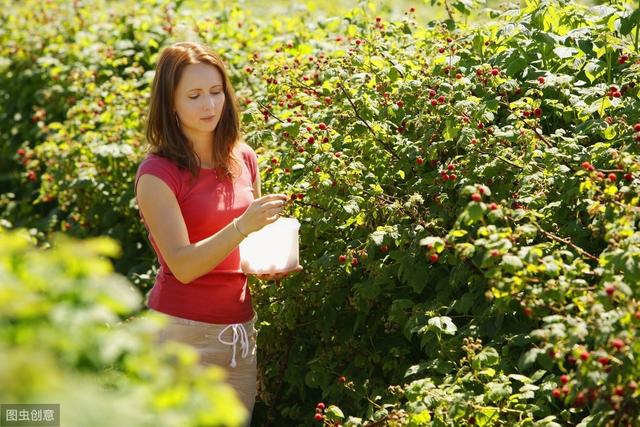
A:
x: 222, y: 295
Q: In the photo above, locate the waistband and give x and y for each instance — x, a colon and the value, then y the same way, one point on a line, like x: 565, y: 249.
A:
x: 239, y: 333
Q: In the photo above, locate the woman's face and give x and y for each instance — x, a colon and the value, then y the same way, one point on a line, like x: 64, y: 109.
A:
x: 199, y: 98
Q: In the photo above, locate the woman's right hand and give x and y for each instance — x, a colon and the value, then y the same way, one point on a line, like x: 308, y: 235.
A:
x: 262, y: 211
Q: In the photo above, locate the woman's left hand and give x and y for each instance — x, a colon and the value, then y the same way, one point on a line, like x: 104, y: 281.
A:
x: 277, y: 276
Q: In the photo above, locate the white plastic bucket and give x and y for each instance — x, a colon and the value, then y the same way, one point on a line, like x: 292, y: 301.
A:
x: 272, y: 249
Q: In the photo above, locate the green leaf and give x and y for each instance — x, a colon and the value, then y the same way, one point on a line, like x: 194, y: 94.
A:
x: 415, y: 369
x: 527, y: 359
x: 334, y: 413
x: 496, y: 391
x: 436, y: 242
x: 478, y: 43
x: 487, y: 357
x: 522, y: 378
x: 610, y: 132
x: 516, y: 65
x: 444, y: 324
x: 474, y: 211
x: 421, y: 419
x: 378, y: 236
x: 565, y: 52
x: 511, y: 264
x: 486, y: 416
x: 629, y: 22
x: 593, y: 70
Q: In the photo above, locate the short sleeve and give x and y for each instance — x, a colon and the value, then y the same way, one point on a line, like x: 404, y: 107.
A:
x: 161, y: 168
x: 251, y: 160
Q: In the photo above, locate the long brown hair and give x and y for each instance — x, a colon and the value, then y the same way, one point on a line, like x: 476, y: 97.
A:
x: 162, y: 131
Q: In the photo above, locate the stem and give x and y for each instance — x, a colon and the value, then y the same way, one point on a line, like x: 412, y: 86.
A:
x: 366, y: 123
x: 446, y: 6
x: 637, y: 31
x: 568, y: 243
x: 609, y: 67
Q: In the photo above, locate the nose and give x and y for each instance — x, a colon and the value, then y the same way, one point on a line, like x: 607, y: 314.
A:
x: 210, y: 104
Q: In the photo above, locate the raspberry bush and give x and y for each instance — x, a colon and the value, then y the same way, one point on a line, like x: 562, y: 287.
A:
x: 467, y: 188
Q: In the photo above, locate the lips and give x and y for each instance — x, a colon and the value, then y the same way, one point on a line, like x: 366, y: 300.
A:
x: 207, y: 118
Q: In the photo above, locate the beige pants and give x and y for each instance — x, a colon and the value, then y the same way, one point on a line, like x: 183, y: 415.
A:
x: 232, y: 347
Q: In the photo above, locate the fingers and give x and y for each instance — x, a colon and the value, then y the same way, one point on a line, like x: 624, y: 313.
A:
x: 277, y: 276
x: 272, y: 205
x: 271, y: 197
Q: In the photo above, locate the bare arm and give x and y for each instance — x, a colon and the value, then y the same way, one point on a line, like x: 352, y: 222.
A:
x: 188, y: 261
x: 257, y: 192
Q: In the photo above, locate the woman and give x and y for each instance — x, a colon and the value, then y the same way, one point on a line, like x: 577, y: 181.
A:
x: 199, y: 197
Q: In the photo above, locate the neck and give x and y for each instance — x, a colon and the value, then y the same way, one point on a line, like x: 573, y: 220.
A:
x: 202, y: 144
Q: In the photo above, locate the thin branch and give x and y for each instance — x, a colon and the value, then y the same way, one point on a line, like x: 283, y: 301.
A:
x: 568, y: 243
x: 355, y: 110
x: 448, y: 9
x: 504, y: 159
x: 380, y: 422
x: 539, y: 135
x: 269, y: 111
x: 622, y: 205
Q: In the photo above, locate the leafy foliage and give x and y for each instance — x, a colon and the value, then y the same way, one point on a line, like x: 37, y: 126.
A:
x: 68, y: 337
x: 468, y: 197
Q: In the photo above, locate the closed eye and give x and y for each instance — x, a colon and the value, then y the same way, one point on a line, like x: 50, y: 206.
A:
x: 195, y: 97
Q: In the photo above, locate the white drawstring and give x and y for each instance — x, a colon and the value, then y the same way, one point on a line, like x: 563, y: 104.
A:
x: 238, y: 332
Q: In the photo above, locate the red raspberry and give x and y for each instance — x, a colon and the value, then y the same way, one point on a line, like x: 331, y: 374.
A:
x: 610, y: 289
x: 587, y: 166
x: 617, y: 343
